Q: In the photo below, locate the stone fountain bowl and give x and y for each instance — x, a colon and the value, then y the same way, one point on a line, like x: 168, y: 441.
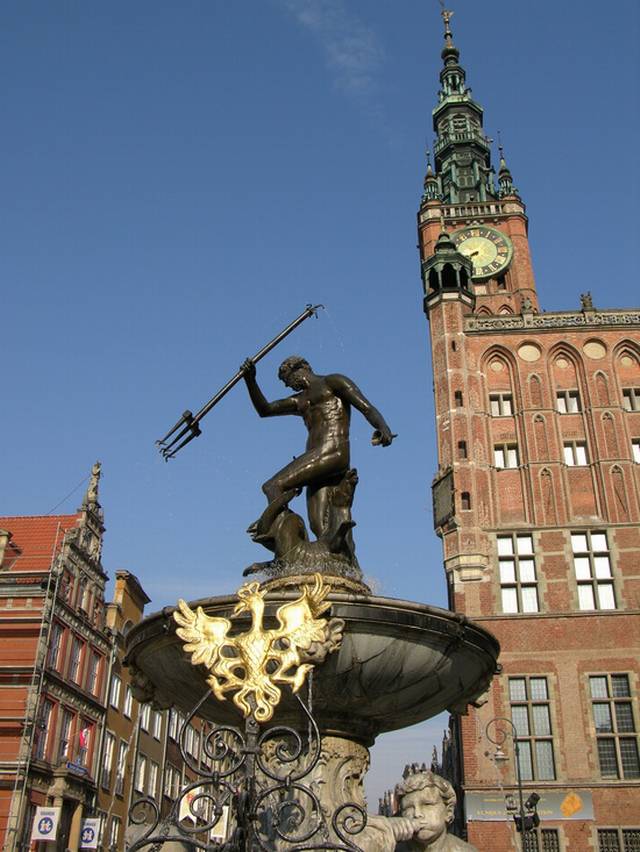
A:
x: 399, y: 663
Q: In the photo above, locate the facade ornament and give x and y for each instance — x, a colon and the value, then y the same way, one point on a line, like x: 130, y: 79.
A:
x: 586, y: 301
x: 91, y: 496
x: 255, y: 664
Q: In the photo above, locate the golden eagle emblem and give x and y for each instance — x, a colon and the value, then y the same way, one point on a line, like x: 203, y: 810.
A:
x: 253, y: 663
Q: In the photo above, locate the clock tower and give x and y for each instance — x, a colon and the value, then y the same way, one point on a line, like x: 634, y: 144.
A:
x: 536, y: 499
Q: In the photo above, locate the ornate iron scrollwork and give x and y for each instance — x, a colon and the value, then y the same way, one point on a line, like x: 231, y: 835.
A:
x: 257, y: 775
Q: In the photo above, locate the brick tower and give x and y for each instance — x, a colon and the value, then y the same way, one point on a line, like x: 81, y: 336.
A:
x: 537, y: 502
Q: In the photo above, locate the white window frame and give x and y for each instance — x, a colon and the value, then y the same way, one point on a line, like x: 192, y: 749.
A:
x: 152, y: 779
x: 593, y: 570
x: 501, y: 404
x: 145, y: 716
x: 506, y: 456
x: 141, y: 772
x: 107, y: 759
x: 156, y: 724
x: 121, y: 766
x: 631, y: 399
x: 635, y: 450
x: 114, y: 692
x: 128, y: 702
x: 518, y: 574
x: 575, y: 454
x: 568, y: 402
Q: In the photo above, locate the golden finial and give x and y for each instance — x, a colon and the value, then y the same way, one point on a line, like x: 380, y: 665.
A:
x: 447, y: 14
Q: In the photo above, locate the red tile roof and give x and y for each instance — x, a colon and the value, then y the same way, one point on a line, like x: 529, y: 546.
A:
x: 34, y: 540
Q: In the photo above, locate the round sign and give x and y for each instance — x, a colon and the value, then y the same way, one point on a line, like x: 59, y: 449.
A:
x: 45, y: 826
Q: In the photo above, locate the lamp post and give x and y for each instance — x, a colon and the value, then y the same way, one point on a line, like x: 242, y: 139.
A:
x: 527, y: 818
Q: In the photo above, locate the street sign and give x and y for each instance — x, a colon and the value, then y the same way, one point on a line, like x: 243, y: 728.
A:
x: 90, y: 833
x: 45, y: 824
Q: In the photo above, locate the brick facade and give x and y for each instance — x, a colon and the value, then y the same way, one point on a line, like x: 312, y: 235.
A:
x: 537, y: 502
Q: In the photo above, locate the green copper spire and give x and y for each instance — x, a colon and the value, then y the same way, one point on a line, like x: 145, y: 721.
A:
x: 462, y: 150
x: 431, y: 187
x: 505, y: 181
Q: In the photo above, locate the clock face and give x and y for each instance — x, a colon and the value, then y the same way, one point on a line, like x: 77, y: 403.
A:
x: 489, y: 250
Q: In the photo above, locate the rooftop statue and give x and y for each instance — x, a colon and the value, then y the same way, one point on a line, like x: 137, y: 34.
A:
x: 324, y: 403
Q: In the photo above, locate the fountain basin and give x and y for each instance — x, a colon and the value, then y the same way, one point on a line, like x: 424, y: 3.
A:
x: 399, y: 663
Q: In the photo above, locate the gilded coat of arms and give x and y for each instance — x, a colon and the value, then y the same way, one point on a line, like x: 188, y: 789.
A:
x: 255, y: 664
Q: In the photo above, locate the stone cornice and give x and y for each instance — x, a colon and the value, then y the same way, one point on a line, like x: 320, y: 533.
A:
x: 553, y: 320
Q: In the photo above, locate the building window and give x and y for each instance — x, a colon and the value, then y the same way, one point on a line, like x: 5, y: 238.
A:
x: 128, y: 702
x: 107, y: 760
x: 465, y: 501
x: 114, y: 696
x: 592, y: 565
x: 114, y: 834
x: 152, y: 779
x: 631, y: 399
x: 501, y: 404
x: 635, y: 449
x: 123, y: 748
x: 84, y: 742
x: 65, y: 735
x: 92, y: 674
x: 462, y: 449
x: 614, y: 721
x: 541, y: 840
x: 41, y: 734
x: 145, y: 715
x: 505, y: 455
x: 568, y: 402
x: 74, y: 661
x: 518, y: 580
x: 156, y: 724
x: 575, y: 453
x: 55, y: 640
x: 619, y: 840
x: 457, y: 396
x: 141, y: 771
x: 173, y: 724
x: 171, y: 782
x: 530, y: 712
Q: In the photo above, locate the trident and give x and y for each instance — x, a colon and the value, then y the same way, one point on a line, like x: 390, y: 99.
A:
x: 189, y: 422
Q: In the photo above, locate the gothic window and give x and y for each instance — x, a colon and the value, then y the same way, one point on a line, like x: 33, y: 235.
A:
x: 568, y: 402
x: 465, y: 501
x: 501, y: 404
x: 505, y: 455
x: 592, y: 565
x: 517, y: 567
x: 575, y: 453
x: 615, y: 725
x: 635, y: 449
x: 434, y: 283
x: 619, y: 840
x: 531, y: 716
x: 631, y: 399
x: 459, y: 122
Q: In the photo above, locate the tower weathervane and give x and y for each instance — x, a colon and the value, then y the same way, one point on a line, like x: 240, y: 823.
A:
x: 447, y: 14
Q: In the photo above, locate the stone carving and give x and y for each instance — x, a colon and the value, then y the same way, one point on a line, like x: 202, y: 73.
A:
x: 586, y: 301
x: 553, y: 319
x: 324, y: 403
x: 427, y: 800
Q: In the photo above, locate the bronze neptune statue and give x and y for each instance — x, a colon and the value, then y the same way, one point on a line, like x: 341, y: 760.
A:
x: 324, y: 403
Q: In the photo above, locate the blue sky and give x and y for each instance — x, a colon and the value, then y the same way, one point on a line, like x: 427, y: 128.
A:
x: 180, y: 179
